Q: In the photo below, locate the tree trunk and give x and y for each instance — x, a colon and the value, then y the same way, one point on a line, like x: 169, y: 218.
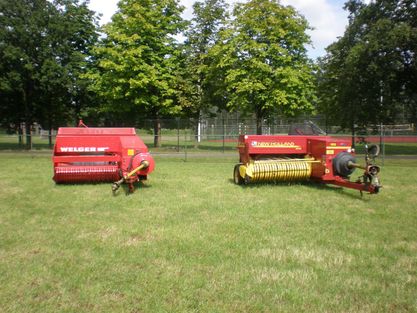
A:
x: 258, y: 125
x: 157, y: 133
x: 28, y: 126
x: 27, y: 104
x: 353, y: 133
x: 20, y: 134
x: 50, y: 137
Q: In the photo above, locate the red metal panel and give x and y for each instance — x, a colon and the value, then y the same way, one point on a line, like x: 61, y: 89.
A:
x: 268, y: 144
x: 86, y: 145
x: 99, y: 154
x: 324, y: 149
x: 86, y: 158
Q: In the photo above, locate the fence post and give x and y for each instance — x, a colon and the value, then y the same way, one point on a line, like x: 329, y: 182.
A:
x: 224, y: 133
x: 178, y: 134
x: 381, y: 142
x: 185, y: 144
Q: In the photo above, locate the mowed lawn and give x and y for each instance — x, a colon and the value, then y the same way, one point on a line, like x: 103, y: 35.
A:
x: 192, y: 241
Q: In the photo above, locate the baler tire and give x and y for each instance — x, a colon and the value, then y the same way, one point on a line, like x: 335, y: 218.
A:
x: 236, y: 176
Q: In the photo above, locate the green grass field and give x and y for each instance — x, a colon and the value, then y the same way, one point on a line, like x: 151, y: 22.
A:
x: 190, y: 240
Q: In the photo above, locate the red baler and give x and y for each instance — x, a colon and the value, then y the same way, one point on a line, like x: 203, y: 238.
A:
x: 296, y: 158
x: 83, y: 154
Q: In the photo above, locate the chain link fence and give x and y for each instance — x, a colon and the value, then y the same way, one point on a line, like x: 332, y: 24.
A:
x: 220, y: 134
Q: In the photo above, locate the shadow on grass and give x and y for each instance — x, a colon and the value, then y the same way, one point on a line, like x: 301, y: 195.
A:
x: 313, y: 185
x: 124, y: 188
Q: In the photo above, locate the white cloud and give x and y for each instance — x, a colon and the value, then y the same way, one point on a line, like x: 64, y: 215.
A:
x: 107, y: 8
x: 188, y: 12
x: 326, y: 17
x: 327, y: 20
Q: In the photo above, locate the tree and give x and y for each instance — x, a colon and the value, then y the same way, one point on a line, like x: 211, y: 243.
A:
x: 263, y: 57
x: 203, y: 32
x: 138, y: 59
x: 368, y: 76
x: 195, y: 88
x: 42, y: 50
x: 73, y: 32
x: 23, y: 27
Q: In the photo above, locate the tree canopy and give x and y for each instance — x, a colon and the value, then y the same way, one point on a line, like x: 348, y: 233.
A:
x: 368, y: 76
x: 44, y: 47
x: 263, y: 58
x: 55, y: 68
x: 137, y: 60
x: 197, y: 89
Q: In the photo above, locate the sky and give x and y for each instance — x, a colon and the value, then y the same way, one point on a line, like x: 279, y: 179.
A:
x: 326, y: 17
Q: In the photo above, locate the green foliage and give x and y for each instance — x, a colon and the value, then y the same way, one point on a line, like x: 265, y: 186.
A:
x: 368, y: 76
x: 137, y: 62
x: 197, y: 89
x: 263, y: 57
x: 137, y: 59
x: 44, y: 49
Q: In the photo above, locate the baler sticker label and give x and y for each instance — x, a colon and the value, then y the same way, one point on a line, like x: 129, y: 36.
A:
x: 130, y: 152
x: 84, y: 149
x: 286, y: 144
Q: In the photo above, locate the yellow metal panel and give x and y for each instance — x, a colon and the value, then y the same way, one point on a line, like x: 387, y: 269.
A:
x: 279, y: 170
x: 242, y: 171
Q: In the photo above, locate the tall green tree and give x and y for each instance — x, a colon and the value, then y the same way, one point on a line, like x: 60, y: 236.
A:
x: 368, y: 76
x: 196, y: 89
x: 138, y: 59
x: 263, y: 56
x: 197, y: 94
x: 73, y: 32
x: 43, y: 47
x: 23, y: 27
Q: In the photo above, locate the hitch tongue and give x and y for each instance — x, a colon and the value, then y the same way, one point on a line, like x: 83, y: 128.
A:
x: 116, y: 185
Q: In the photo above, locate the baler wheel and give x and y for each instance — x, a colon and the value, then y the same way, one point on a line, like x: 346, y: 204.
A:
x: 236, y: 175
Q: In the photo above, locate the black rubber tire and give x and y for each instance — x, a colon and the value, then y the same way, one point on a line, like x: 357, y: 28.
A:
x: 236, y: 175
x: 341, y: 164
